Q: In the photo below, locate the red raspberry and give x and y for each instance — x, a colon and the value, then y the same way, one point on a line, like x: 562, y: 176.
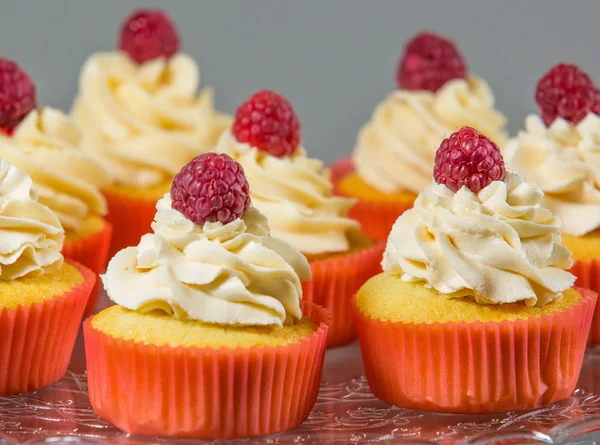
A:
x: 148, y: 34
x: 565, y: 91
x: 268, y: 122
x: 429, y: 61
x: 596, y: 105
x: 211, y: 188
x: 468, y: 158
x: 17, y: 95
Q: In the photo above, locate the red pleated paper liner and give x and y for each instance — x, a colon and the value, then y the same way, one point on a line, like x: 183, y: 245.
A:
x: 36, y: 342
x: 334, y: 282
x: 92, y: 252
x: 340, y: 168
x: 130, y: 217
x: 205, y: 392
x: 476, y: 367
x: 588, y: 276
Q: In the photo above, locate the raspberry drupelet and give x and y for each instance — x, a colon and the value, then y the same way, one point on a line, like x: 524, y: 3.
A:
x: 566, y: 91
x: 148, y: 34
x: 211, y: 188
x: 468, y: 158
x: 428, y: 62
x: 17, y: 95
x: 268, y: 122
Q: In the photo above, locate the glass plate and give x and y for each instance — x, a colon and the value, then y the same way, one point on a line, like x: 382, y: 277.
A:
x: 346, y: 413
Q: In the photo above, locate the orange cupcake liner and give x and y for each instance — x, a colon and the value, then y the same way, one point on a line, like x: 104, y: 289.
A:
x: 588, y: 276
x: 476, y: 367
x: 130, y: 217
x: 92, y: 252
x: 334, y: 282
x: 205, y: 392
x: 36, y: 342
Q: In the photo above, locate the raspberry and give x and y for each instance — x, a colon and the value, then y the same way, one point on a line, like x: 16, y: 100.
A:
x: 468, y: 158
x: 17, y: 95
x: 211, y: 188
x: 429, y: 61
x: 148, y: 34
x: 596, y: 104
x: 268, y: 122
x: 565, y: 91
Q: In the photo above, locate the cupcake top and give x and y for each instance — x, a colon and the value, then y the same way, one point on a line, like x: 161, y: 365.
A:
x: 211, y: 257
x: 563, y: 158
x: 291, y: 189
x: 31, y: 236
x: 480, y: 232
x: 46, y: 144
x: 139, y: 108
x: 436, y: 96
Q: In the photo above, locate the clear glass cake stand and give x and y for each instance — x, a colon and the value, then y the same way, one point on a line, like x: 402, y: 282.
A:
x: 346, y: 413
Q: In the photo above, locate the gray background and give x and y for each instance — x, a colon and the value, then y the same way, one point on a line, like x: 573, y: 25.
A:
x: 333, y: 59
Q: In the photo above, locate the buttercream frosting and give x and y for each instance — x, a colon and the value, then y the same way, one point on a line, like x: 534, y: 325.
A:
x: 296, y: 195
x: 230, y: 274
x: 396, y: 149
x: 144, y: 122
x: 31, y: 236
x: 498, y: 246
x: 46, y: 145
x: 564, y: 161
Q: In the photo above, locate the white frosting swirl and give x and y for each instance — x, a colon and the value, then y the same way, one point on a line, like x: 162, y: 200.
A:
x: 297, y: 197
x: 396, y: 149
x: 47, y: 146
x: 499, y: 246
x: 31, y: 236
x: 144, y: 122
x: 233, y: 274
x: 564, y: 161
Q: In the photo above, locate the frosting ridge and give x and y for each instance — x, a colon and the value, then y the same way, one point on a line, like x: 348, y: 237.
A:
x: 31, y: 236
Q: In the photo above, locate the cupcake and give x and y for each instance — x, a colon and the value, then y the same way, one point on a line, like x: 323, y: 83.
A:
x: 46, y: 144
x: 143, y: 119
x: 293, y: 191
x: 209, y: 314
x: 558, y: 153
x: 475, y: 310
x: 394, y: 151
x: 42, y: 297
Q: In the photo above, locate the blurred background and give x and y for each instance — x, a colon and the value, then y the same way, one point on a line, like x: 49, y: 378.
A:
x: 335, y: 60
